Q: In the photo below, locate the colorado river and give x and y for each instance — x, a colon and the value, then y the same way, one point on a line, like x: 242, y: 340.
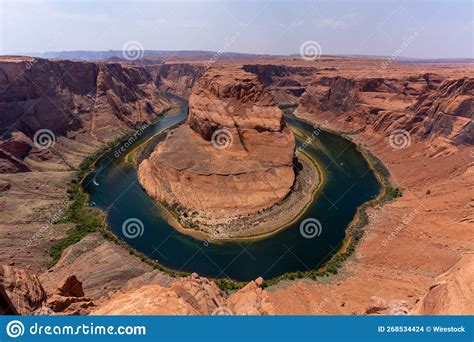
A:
x: 348, y: 183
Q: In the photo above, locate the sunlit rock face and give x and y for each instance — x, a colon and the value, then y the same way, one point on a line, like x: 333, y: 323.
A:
x: 426, y: 106
x: 234, y: 155
x: 451, y: 293
x: 85, y: 102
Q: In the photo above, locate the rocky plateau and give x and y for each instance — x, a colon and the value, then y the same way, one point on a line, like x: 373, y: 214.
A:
x: 416, y: 253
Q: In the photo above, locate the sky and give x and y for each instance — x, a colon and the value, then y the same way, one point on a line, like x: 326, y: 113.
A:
x: 412, y: 28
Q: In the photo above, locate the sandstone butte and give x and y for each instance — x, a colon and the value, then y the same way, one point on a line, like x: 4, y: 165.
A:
x: 234, y: 154
x: 425, y: 268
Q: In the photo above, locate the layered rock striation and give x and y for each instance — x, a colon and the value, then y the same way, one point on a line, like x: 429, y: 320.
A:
x: 426, y: 105
x: 431, y: 102
x: 233, y: 156
x: 452, y: 292
x: 21, y: 292
x: 177, y: 78
x: 193, y: 295
x: 46, y: 104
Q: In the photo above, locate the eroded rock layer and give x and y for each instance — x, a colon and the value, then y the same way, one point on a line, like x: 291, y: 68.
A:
x: 234, y: 154
x: 425, y: 105
x: 432, y: 102
x: 21, y: 292
x: 80, y: 105
x: 452, y: 293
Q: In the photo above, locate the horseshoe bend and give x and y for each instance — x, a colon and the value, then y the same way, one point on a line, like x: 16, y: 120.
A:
x: 323, y: 181
x: 231, y: 163
x: 228, y: 154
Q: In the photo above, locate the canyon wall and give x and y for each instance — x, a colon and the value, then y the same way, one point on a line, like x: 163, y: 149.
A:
x: 23, y: 293
x: 177, y: 78
x: 427, y: 103
x: 92, y: 103
x: 85, y: 102
x: 426, y: 106
x: 234, y: 154
x: 285, y: 83
x: 452, y: 292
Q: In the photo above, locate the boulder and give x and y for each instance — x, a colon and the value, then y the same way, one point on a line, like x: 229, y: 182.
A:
x: 23, y: 289
x: 252, y: 299
x: 202, y: 294
x: 69, y: 305
x: 382, y: 307
x: 4, y: 186
x: 71, y: 287
x: 146, y: 300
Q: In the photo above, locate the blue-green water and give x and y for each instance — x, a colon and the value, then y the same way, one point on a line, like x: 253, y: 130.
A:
x: 349, y: 182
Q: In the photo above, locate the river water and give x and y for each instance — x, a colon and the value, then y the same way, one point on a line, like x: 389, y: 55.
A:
x: 349, y: 182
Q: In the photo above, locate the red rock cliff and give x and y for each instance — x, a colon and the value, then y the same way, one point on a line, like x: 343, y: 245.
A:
x: 84, y: 101
x: 234, y: 154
